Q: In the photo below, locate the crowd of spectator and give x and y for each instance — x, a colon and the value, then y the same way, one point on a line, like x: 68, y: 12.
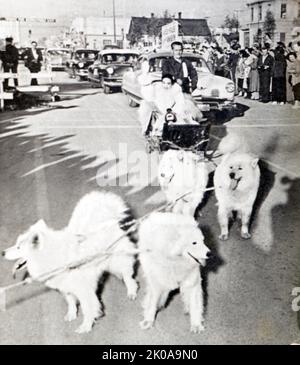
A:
x: 264, y: 73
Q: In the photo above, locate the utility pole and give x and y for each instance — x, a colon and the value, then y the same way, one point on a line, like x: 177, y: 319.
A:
x: 114, y: 18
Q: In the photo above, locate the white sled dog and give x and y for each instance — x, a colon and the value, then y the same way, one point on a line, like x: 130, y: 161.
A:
x: 180, y: 172
x: 236, y: 182
x: 94, y: 225
x: 171, y: 249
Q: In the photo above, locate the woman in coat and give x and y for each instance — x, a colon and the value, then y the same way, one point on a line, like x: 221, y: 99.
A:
x: 252, y: 61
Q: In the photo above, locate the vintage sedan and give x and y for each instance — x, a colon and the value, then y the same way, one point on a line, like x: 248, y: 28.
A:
x: 212, y: 92
x: 107, y: 71
x: 57, y: 58
x: 81, y: 59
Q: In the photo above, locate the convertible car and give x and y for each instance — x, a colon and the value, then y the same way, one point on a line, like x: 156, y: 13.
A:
x: 212, y: 92
x: 107, y: 71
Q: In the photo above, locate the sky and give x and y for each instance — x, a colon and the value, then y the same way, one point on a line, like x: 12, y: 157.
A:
x: 215, y: 10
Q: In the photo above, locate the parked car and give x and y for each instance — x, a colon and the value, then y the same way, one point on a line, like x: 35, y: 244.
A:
x: 57, y: 58
x: 107, y: 71
x: 212, y: 93
x: 81, y: 59
x: 22, y: 52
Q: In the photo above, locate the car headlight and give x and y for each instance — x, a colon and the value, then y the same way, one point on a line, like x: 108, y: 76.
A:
x: 110, y: 70
x: 81, y: 64
x: 230, y: 87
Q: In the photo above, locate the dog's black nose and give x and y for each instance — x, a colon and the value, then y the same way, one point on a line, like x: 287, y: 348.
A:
x: 209, y: 254
x: 162, y: 175
x: 3, y: 253
x: 232, y: 175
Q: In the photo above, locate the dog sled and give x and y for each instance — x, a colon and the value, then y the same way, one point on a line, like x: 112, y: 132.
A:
x: 175, y: 135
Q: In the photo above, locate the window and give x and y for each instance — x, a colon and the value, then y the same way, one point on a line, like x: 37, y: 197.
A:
x: 283, y: 11
x: 282, y: 37
x: 260, y: 12
x: 106, y: 42
x: 252, y: 14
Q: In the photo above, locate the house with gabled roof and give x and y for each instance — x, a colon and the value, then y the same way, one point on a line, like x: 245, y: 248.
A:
x: 146, y: 31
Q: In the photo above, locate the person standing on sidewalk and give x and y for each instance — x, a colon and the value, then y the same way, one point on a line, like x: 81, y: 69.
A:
x: 265, y: 68
x: 10, y: 60
x: 279, y: 77
x: 294, y: 76
x: 33, y: 60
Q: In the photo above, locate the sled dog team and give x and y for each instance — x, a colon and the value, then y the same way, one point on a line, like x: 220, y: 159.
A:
x: 170, y: 245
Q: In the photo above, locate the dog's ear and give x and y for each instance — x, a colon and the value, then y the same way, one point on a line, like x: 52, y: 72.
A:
x: 40, y: 225
x: 254, y: 162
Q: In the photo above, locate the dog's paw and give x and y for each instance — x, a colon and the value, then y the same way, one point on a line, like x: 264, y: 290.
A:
x: 245, y: 235
x: 223, y: 237
x: 145, y: 324
x: 70, y: 316
x: 84, y: 328
x: 197, y: 328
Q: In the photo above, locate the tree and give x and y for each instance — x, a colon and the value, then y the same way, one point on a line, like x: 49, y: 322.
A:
x: 258, y: 37
x: 231, y: 22
x: 269, y: 24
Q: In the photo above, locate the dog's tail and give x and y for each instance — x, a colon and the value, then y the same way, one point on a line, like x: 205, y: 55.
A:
x: 95, y: 209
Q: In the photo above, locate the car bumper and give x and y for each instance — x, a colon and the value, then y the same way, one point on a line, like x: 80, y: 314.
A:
x: 81, y: 73
x: 113, y: 83
x: 215, y: 104
x: 57, y: 67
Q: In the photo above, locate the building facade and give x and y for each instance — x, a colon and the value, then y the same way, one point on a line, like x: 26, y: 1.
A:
x: 97, y: 32
x: 286, y: 14
x: 25, y: 30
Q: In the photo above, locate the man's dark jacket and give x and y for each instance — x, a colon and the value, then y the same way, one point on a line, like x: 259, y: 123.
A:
x: 173, y: 67
x: 33, y: 64
x: 10, y: 57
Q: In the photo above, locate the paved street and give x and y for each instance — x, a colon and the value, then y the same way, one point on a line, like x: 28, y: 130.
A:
x: 51, y: 156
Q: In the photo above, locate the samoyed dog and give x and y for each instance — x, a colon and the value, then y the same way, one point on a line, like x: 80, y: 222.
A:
x: 171, y: 249
x: 93, y: 227
x: 181, y: 172
x: 236, y: 182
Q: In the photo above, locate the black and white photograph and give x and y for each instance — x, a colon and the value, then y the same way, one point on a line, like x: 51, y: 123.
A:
x: 150, y: 175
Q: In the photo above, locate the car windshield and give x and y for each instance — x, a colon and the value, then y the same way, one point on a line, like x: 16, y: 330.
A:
x: 199, y: 64
x: 119, y: 58
x: 86, y: 55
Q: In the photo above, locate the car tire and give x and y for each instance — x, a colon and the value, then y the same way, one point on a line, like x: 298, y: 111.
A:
x: 106, y: 89
x: 101, y: 82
